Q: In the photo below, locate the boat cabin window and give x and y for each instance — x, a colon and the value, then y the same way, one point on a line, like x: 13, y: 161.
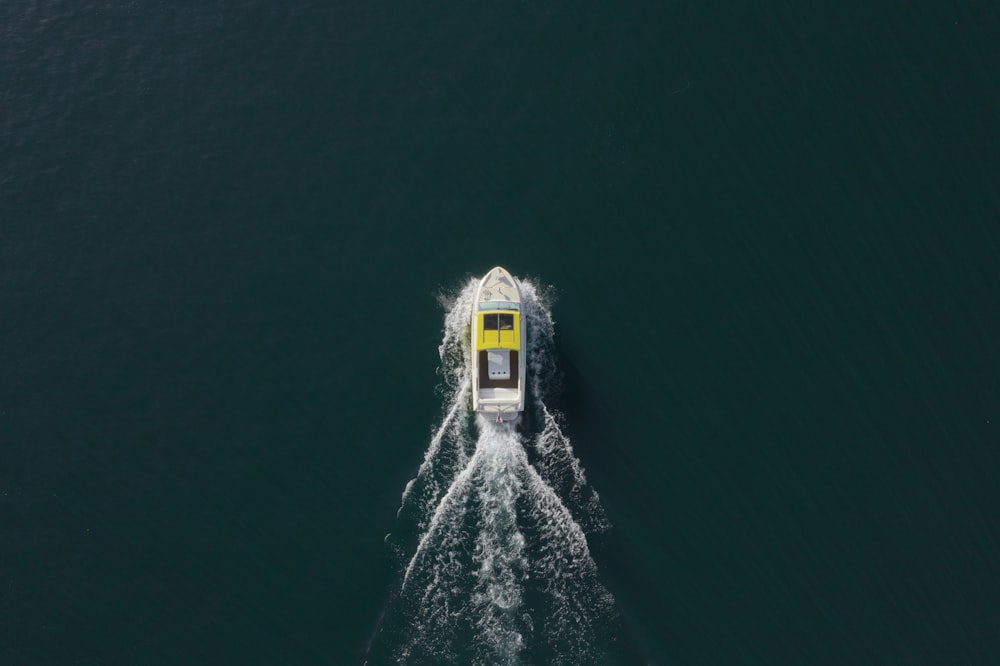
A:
x: 496, y: 321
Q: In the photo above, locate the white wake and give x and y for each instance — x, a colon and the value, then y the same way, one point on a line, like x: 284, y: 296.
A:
x: 492, y: 545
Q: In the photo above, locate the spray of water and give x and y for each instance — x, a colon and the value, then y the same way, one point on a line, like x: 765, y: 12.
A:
x: 492, y: 544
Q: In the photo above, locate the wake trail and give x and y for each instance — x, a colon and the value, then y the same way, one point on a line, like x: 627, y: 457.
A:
x: 492, y: 541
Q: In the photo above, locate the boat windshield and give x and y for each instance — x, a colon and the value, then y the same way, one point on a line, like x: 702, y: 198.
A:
x: 498, y: 305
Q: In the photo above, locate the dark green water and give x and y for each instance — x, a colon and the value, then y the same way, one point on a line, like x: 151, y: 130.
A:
x: 773, y: 232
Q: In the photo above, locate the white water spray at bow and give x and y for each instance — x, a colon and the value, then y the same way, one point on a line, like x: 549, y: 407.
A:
x: 492, y: 529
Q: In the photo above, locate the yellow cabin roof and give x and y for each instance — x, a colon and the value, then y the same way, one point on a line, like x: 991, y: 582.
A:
x: 498, y: 329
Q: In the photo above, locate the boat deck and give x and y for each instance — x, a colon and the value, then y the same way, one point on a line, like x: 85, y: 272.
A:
x: 487, y: 382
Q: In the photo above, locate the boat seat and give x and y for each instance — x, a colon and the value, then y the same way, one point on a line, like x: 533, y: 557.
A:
x: 498, y: 368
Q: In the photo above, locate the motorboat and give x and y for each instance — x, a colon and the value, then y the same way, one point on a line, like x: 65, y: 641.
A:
x: 498, y: 347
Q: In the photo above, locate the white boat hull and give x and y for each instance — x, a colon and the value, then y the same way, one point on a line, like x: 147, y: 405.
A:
x: 499, y: 347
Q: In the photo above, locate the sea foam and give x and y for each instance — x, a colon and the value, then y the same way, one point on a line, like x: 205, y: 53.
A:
x: 492, y: 534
